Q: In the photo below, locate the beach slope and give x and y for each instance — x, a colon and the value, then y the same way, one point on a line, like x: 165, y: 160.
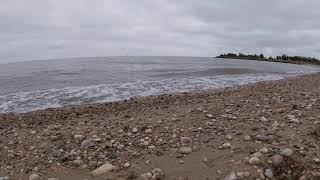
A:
x: 264, y: 130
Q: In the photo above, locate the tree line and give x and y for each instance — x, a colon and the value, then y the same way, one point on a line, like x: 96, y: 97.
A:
x: 284, y: 58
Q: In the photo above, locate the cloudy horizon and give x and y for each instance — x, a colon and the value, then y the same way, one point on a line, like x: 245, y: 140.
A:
x: 64, y: 29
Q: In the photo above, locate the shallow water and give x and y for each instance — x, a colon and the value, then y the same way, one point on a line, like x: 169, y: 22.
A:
x: 37, y: 85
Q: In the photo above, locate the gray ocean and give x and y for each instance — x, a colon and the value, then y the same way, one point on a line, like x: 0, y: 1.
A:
x: 35, y: 85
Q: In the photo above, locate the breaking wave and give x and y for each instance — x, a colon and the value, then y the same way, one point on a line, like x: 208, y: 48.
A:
x: 52, y: 98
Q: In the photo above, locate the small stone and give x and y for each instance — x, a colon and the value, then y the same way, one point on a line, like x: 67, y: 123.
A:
x: 277, y: 160
x: 268, y: 173
x: 77, y: 162
x: 261, y: 174
x: 254, y: 161
x: 226, y: 145
x: 185, y: 150
x: 240, y: 174
x: 287, y: 152
x: 291, y: 116
x: 228, y: 137
x: 246, y: 174
x: 120, y: 146
x: 92, y: 164
x: 264, y: 150
x: 34, y: 177
x: 257, y: 155
x: 135, y: 130
x: 296, y: 121
x: 185, y: 140
x: 275, y: 124
x: 231, y: 176
x: 247, y: 138
x: 157, y: 174
x: 145, y: 176
x: 86, y: 144
x: 78, y: 136
x: 148, y: 131
x: 303, y: 177
x: 264, y: 119
x: 145, y: 143
x: 53, y: 179
x: 126, y: 165
x: 107, y: 167
x: 316, y: 160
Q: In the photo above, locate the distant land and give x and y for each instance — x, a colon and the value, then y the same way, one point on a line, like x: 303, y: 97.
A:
x: 283, y: 59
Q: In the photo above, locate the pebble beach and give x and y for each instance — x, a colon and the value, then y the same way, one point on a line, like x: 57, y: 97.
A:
x: 266, y: 130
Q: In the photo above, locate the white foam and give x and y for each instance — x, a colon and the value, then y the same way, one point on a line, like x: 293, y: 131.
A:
x: 35, y: 100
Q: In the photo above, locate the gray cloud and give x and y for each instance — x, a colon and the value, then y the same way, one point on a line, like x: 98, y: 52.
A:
x: 58, y: 29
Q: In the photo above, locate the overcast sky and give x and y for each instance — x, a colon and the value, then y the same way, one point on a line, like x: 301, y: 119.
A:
x: 46, y: 29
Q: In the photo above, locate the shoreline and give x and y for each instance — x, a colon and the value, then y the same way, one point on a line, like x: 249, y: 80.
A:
x: 297, y: 62
x: 213, y: 133
x: 137, y: 98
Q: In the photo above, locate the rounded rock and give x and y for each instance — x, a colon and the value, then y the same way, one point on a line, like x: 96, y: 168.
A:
x: 185, y: 150
x: 126, y: 165
x: 316, y: 160
x: 231, y: 176
x: 268, y: 173
x: 226, y: 145
x: 277, y: 160
x: 148, y: 131
x: 286, y: 152
x: 34, y: 177
x: 103, y: 169
x: 78, y: 136
x: 228, y: 137
x: 257, y: 155
x: 264, y: 119
x: 264, y: 150
x: 254, y: 161
x: 247, y: 138
x: 86, y: 144
x: 135, y: 130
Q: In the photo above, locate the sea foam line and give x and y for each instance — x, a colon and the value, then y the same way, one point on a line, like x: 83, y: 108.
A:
x: 42, y: 99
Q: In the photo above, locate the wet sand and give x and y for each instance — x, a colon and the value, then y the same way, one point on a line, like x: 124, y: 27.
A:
x: 265, y: 130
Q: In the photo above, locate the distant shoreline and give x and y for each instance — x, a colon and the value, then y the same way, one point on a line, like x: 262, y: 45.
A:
x: 281, y: 59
